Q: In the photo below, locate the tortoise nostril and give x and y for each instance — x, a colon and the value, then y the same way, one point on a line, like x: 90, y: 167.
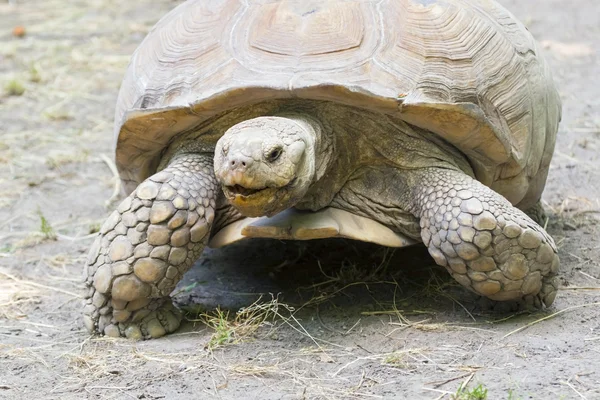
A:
x: 239, y: 163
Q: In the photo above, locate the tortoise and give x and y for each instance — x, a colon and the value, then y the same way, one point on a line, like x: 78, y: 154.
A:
x: 392, y: 121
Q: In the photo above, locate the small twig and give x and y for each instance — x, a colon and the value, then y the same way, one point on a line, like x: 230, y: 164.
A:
x: 466, y: 382
x: 355, y: 361
x: 443, y: 392
x: 318, y: 314
x: 117, y: 178
x: 40, y: 325
x: 462, y: 306
x: 352, y: 327
x: 587, y: 212
x: 395, y: 312
x: 438, y: 384
x: 410, y: 324
x: 362, y: 380
x: 75, y: 239
x: 588, y: 275
x: 8, y: 221
x: 305, y: 332
x: 363, y: 348
x: 569, y: 384
x: 330, y: 278
x: 109, y: 387
x: 39, y: 285
x: 548, y: 317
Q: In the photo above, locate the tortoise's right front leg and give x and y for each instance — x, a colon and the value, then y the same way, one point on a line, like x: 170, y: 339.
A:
x: 146, y: 246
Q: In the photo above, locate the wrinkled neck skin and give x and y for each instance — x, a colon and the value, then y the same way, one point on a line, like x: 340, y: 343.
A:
x: 267, y: 164
x: 321, y: 144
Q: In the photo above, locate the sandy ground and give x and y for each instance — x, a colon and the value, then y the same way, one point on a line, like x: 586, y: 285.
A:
x: 354, y: 321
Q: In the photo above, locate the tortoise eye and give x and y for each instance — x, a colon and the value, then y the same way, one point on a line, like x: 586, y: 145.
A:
x: 274, y: 154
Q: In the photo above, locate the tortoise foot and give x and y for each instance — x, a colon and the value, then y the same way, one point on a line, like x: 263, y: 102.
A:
x: 486, y: 244
x: 146, y: 246
x: 537, y: 213
x: 156, y: 319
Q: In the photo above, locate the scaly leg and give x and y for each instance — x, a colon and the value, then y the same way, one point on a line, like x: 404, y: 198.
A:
x: 146, y: 246
x: 537, y: 213
x: 486, y: 244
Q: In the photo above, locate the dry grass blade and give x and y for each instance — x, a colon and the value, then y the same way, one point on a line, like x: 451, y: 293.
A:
x: 38, y: 285
x: 570, y: 385
x: 549, y: 317
x: 442, y: 383
x: 465, y: 383
x: 13, y: 296
x: 244, y: 325
x: 117, y: 189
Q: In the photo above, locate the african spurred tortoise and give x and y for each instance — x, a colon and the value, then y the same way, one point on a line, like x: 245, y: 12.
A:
x: 389, y: 121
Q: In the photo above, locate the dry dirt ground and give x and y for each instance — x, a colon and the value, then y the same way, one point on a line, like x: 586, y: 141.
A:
x: 353, y: 321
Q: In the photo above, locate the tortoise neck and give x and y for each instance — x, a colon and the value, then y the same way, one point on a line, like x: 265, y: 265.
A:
x: 318, y: 139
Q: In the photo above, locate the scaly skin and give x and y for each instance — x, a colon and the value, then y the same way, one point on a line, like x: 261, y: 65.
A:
x: 537, y: 213
x: 145, y: 247
x: 486, y: 244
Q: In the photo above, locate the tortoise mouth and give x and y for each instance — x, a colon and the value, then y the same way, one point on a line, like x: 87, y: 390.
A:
x: 247, y: 193
x: 262, y: 201
x: 242, y: 191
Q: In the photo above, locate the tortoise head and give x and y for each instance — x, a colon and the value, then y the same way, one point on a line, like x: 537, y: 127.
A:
x: 266, y: 165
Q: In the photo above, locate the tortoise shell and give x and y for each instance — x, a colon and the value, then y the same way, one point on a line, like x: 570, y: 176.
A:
x: 466, y: 70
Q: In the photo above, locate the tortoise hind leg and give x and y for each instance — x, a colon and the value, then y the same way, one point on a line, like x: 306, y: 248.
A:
x: 486, y: 244
x: 537, y: 213
x: 146, y: 246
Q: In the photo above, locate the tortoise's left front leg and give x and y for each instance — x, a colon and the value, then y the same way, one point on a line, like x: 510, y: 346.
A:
x: 145, y: 247
x: 484, y: 242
